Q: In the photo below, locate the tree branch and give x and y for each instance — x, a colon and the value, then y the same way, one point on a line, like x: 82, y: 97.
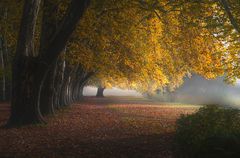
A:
x: 233, y: 21
x: 63, y: 33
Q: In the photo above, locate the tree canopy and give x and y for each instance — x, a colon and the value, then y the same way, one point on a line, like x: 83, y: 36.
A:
x: 138, y: 44
x: 144, y: 44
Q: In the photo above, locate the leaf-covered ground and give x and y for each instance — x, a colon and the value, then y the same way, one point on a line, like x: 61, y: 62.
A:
x: 106, y: 128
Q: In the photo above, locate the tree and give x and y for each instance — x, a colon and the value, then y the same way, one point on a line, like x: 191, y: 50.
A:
x: 220, y: 18
x: 229, y: 34
x: 150, y: 49
x: 30, y: 67
x: 100, y: 91
x: 8, y: 24
x: 156, y: 46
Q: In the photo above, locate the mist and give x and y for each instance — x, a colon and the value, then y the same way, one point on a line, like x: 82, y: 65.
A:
x: 198, y: 90
x: 91, y: 91
x: 195, y: 90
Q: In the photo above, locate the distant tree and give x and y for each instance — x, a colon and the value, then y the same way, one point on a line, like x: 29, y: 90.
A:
x: 100, y: 91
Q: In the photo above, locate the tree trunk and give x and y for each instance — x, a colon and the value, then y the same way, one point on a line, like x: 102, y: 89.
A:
x: 47, y: 94
x: 27, y: 83
x: 84, y: 77
x: 100, y: 92
x: 80, y: 92
x: 2, y: 61
x: 58, y: 83
x: 30, y: 67
x: 3, y: 51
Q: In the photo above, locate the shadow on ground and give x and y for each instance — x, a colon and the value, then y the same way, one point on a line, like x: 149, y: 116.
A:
x: 99, y: 128
x: 153, y: 146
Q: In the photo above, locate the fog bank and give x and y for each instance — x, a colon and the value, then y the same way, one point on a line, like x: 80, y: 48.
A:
x: 91, y: 91
x: 197, y: 90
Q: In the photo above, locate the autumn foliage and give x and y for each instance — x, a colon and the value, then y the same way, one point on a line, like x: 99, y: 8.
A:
x: 137, y: 44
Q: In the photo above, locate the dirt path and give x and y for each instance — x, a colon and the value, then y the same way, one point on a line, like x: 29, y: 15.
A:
x: 96, y: 128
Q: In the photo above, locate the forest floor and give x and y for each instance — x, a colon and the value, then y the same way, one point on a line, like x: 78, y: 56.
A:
x: 108, y: 127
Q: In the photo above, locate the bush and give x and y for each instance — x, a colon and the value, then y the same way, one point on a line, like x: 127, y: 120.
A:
x: 211, y: 132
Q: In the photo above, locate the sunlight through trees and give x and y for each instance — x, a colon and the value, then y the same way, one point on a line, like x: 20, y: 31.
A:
x: 56, y: 47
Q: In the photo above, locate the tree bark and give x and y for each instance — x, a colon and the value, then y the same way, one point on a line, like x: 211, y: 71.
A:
x: 58, y: 83
x: 30, y: 68
x: 27, y: 84
x: 47, y: 94
x: 6, y: 86
x: 2, y: 61
x: 100, y: 91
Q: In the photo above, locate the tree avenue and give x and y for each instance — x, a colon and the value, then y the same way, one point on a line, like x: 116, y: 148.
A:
x: 136, y: 44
